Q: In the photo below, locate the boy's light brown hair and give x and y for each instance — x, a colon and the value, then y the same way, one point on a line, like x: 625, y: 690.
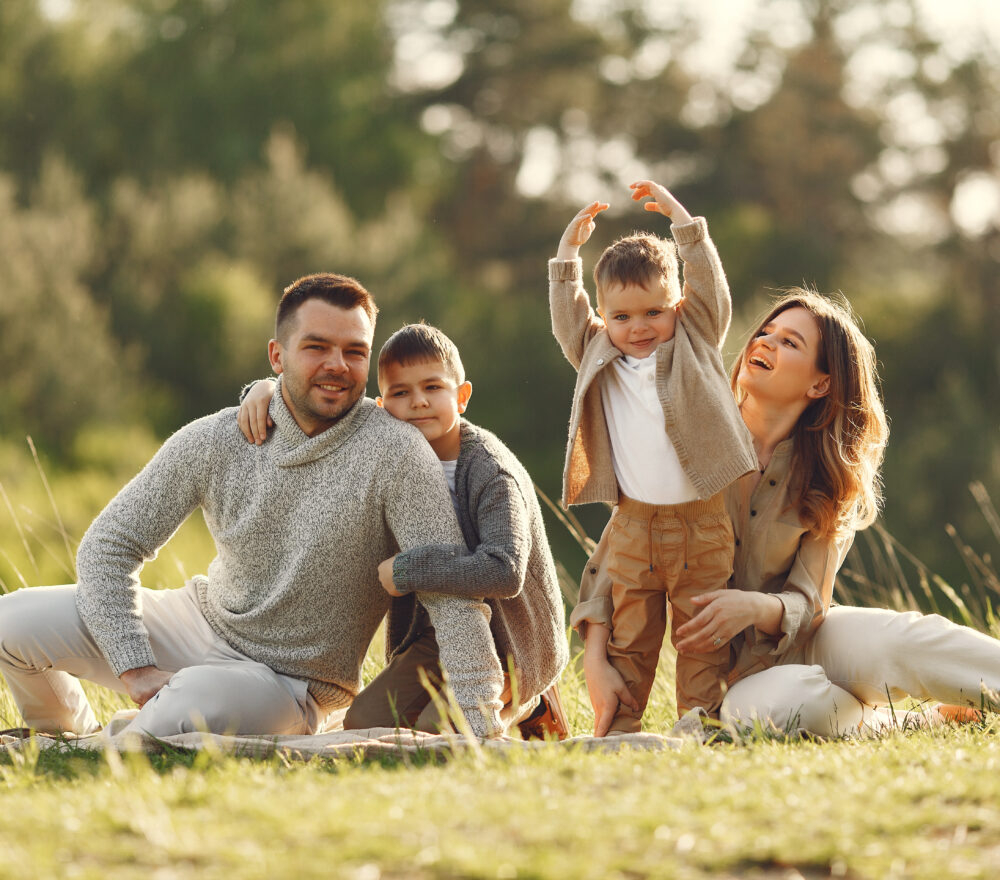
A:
x: 642, y: 259
x: 417, y: 343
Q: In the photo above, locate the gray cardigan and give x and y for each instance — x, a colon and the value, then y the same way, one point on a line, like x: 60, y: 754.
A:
x: 506, y: 560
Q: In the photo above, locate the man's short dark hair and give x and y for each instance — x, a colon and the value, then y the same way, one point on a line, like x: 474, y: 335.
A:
x: 416, y: 343
x: 337, y: 290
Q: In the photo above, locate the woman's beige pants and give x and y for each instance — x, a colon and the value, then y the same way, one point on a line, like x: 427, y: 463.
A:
x: 45, y: 649
x: 858, y: 667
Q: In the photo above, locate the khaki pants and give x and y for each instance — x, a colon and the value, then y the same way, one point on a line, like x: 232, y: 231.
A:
x: 397, y: 698
x: 45, y: 649
x: 660, y: 554
x: 862, y: 659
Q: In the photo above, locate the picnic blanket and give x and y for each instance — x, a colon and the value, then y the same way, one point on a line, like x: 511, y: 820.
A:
x: 371, y: 743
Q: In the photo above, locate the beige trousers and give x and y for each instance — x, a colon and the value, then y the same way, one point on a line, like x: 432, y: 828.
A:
x: 862, y: 660
x: 397, y: 698
x: 45, y: 649
x: 660, y: 554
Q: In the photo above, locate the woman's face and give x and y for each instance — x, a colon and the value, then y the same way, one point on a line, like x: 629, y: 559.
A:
x: 779, y: 363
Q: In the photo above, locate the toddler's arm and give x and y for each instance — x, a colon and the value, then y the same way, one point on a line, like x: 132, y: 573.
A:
x: 253, y: 417
x: 573, y: 318
x: 707, y: 308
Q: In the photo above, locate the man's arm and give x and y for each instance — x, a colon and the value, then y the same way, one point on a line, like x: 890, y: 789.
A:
x: 573, y: 318
x: 494, y: 570
x: 129, y: 531
x: 707, y: 308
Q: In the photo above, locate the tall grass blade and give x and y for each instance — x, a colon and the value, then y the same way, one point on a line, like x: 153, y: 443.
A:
x: 55, y: 509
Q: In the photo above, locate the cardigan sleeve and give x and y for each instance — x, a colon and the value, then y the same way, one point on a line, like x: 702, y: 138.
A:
x: 574, y: 321
x: 495, y: 569
x: 707, y: 308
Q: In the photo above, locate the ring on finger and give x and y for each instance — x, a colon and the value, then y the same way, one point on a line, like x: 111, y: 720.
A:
x: 717, y: 641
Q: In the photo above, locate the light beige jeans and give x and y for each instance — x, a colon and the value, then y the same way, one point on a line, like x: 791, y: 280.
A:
x: 862, y: 660
x: 45, y: 649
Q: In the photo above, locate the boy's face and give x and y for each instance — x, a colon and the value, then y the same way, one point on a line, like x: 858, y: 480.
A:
x: 638, y: 320
x: 426, y: 395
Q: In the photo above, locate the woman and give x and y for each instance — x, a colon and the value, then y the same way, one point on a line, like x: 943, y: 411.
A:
x: 806, y: 385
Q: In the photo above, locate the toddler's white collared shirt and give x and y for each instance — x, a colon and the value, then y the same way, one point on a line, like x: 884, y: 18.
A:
x: 645, y: 461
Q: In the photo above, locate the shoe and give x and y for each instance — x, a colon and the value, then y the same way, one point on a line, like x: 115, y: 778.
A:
x: 548, y: 719
x: 958, y: 714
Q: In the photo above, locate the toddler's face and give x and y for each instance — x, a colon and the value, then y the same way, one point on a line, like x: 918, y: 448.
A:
x: 427, y: 396
x: 638, y: 320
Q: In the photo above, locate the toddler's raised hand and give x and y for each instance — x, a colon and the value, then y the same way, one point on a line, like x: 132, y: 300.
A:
x: 580, y: 228
x: 663, y: 201
x: 253, y: 417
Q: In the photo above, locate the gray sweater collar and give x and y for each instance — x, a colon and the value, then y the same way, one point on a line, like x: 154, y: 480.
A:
x: 290, y: 444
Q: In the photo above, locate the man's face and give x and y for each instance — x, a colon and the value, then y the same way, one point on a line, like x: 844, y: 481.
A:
x: 323, y: 361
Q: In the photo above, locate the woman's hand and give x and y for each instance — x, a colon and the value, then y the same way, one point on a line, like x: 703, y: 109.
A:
x: 253, y: 417
x: 580, y: 228
x: 605, y: 685
x: 724, y: 614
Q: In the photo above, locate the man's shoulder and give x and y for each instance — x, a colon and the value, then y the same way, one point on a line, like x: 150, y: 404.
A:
x: 397, y: 436
x: 213, y: 428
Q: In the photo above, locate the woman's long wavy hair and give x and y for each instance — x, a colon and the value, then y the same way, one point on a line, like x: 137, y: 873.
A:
x: 839, y: 438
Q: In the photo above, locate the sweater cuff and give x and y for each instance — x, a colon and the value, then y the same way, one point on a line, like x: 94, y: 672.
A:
x: 689, y: 233
x: 566, y: 270
x: 133, y: 653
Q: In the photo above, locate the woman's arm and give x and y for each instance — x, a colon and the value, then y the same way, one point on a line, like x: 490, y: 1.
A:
x: 604, y: 683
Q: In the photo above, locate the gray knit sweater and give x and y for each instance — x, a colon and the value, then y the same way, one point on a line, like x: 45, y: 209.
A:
x: 505, y: 558
x: 300, y: 524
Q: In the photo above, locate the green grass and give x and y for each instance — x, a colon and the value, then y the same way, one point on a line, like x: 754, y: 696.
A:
x: 913, y: 804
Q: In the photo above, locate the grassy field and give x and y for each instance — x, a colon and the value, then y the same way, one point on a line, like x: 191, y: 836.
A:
x: 913, y: 804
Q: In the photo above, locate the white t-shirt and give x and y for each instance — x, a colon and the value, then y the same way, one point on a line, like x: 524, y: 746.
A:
x: 645, y: 461
x: 449, y: 468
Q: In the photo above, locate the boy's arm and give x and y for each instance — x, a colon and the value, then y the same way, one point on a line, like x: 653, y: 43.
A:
x: 494, y: 570
x: 418, y: 511
x: 707, y: 307
x: 254, y: 417
x: 573, y: 319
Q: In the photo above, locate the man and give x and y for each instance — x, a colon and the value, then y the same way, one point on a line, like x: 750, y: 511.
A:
x: 273, y: 637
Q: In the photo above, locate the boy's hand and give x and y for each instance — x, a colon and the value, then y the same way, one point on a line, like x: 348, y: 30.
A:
x: 253, y: 417
x: 580, y: 228
x: 663, y: 201
x: 385, y: 576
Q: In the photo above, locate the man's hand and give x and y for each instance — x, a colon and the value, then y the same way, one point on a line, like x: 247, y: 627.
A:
x: 253, y: 417
x: 580, y: 228
x: 144, y: 683
x: 385, y: 576
x: 663, y: 201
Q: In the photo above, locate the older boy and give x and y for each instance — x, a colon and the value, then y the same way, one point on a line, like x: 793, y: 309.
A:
x: 505, y: 558
x: 654, y: 430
